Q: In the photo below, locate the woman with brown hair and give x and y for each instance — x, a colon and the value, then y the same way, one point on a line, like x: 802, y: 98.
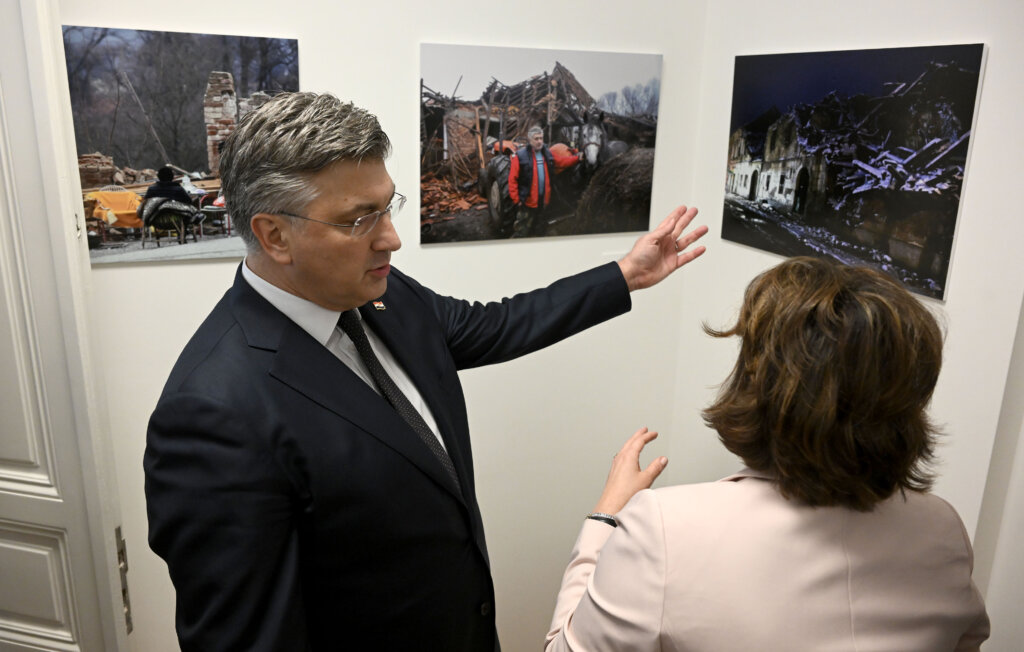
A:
x: 829, y: 539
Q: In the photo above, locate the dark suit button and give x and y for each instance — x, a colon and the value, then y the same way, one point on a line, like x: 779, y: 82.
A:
x: 485, y: 609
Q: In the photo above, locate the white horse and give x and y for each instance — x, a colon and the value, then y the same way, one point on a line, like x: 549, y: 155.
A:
x: 597, y: 148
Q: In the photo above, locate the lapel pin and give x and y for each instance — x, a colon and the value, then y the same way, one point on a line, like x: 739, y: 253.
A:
x: 379, y: 305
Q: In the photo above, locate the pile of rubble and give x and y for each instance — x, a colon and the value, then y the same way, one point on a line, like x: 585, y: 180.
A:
x: 97, y: 170
x: 438, y: 198
x: 922, y: 170
x: 914, y: 139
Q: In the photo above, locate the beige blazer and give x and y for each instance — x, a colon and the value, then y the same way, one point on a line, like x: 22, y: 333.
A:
x: 731, y: 565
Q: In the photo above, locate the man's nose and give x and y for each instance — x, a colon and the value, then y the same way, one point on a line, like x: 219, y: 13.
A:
x: 385, y: 236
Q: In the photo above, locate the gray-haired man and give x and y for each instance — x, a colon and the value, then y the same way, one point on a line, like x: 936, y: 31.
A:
x: 309, y: 477
x: 529, y: 184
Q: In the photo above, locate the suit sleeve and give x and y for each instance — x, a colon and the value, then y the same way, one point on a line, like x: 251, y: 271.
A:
x: 480, y: 334
x: 612, y: 592
x: 513, y: 179
x: 222, y: 513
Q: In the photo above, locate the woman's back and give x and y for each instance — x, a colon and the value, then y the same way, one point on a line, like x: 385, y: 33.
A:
x: 732, y: 565
x: 834, y: 543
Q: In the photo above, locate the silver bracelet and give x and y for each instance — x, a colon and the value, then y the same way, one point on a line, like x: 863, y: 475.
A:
x: 604, y: 518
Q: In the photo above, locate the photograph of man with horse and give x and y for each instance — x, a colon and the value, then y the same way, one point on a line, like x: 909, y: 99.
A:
x: 541, y: 157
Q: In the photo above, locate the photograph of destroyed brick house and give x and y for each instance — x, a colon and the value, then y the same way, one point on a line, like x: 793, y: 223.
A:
x: 854, y: 155
x: 598, y: 112
x: 146, y: 102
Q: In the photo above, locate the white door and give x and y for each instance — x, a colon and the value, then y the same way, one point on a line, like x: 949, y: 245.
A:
x: 59, y: 583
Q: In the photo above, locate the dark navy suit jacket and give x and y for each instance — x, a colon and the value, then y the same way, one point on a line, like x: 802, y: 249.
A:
x: 294, y: 507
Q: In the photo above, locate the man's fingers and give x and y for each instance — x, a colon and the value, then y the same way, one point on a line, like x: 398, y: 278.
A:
x: 682, y: 241
x: 666, y: 226
x: 682, y: 255
x: 687, y: 256
x: 671, y: 221
x: 683, y: 220
x: 691, y: 237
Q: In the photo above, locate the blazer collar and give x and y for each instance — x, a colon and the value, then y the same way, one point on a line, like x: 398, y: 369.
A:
x: 748, y: 472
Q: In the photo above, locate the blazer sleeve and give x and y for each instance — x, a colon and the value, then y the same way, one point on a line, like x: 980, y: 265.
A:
x: 479, y: 334
x: 977, y: 632
x: 222, y: 514
x: 612, y: 593
x: 979, y: 627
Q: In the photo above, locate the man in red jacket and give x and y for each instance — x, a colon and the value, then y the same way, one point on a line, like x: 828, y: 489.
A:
x: 529, y: 182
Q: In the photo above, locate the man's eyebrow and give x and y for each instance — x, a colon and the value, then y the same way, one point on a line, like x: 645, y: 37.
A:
x: 362, y: 208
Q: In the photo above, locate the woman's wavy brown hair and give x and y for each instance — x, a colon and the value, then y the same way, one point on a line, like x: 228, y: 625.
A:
x: 836, y: 368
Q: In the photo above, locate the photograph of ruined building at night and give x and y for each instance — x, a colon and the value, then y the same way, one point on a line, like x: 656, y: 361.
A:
x: 854, y: 155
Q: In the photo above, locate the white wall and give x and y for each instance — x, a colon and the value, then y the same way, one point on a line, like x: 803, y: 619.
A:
x: 545, y: 427
x: 997, y: 568
x: 998, y: 560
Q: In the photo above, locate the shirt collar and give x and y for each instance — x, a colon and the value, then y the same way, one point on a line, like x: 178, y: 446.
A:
x: 318, y: 321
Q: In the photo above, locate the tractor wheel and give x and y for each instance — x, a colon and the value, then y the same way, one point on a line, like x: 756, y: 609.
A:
x: 498, y: 201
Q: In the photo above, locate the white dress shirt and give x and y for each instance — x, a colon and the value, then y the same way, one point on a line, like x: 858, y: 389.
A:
x: 322, y: 325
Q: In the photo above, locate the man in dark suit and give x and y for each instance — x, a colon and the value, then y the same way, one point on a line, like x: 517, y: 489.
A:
x: 309, y: 476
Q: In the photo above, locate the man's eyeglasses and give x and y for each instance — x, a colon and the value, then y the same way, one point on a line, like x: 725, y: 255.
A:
x: 364, y: 224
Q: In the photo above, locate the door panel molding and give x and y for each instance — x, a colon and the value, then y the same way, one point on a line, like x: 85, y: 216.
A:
x: 36, y: 556
x: 26, y: 450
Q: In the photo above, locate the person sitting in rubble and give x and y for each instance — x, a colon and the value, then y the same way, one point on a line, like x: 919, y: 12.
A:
x: 166, y: 186
x: 168, y: 206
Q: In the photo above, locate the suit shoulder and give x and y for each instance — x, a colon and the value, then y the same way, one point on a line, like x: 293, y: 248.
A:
x: 403, y: 288
x: 399, y: 282
x: 216, y: 348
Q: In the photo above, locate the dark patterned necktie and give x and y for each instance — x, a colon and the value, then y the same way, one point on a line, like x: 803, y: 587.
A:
x: 350, y: 324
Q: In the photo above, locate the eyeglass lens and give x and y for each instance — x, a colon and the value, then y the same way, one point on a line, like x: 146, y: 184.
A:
x: 365, y: 224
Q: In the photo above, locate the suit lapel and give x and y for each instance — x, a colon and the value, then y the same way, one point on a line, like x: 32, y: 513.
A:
x: 306, y: 366
x: 408, y: 340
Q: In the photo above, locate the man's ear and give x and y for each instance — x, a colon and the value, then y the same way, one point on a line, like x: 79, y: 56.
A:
x: 274, y: 233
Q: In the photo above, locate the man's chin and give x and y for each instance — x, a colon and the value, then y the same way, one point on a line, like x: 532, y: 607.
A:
x: 376, y: 289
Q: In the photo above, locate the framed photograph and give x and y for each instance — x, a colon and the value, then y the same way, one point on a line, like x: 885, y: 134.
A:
x: 151, y: 111
x: 527, y: 143
x: 855, y: 155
